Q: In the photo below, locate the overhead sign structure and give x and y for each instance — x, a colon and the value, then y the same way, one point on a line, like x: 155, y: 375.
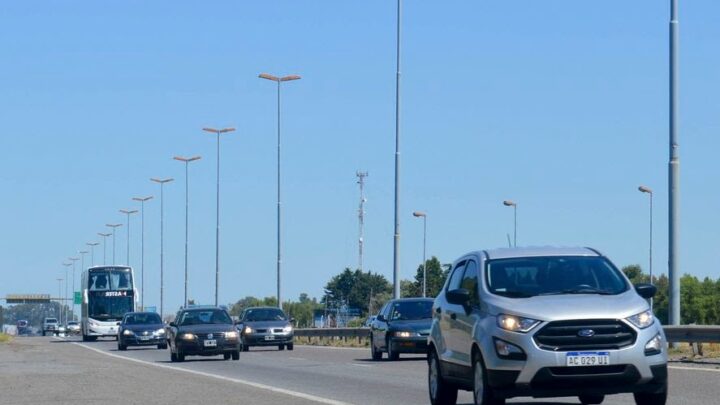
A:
x: 28, y: 298
x: 78, y: 298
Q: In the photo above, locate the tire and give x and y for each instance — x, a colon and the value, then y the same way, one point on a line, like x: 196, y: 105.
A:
x: 652, y: 398
x: 281, y: 347
x: 122, y: 348
x: 44, y: 334
x: 245, y: 348
x: 236, y: 355
x: 375, y: 354
x: 482, y: 393
x: 591, y: 399
x: 162, y: 346
x: 290, y: 346
x: 441, y: 392
x: 226, y: 356
x: 180, y: 357
x: 392, y: 354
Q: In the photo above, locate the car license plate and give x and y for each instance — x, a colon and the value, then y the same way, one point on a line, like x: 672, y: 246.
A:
x: 269, y: 337
x: 580, y: 359
x: 144, y: 337
x: 211, y: 343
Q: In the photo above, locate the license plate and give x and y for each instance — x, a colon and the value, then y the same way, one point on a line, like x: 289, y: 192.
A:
x: 211, y: 343
x: 268, y: 337
x: 581, y: 359
x: 144, y: 337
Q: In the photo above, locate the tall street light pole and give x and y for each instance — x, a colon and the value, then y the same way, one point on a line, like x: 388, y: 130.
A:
x: 142, y: 200
x: 649, y: 192
x: 278, y: 80
x: 396, y: 237
x: 60, y: 300
x: 65, y: 308
x: 162, y: 182
x: 104, y: 236
x: 92, y: 252
x: 217, y: 132
x: 187, y: 162
x: 72, y: 290
x: 509, y: 203
x: 423, y: 215
x: 128, y: 213
x: 114, y: 231
x: 674, y: 168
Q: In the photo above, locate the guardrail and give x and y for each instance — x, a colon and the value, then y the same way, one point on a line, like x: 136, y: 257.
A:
x: 674, y: 334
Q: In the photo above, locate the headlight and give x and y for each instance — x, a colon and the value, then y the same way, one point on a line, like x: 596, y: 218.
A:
x: 516, y: 323
x: 288, y: 329
x: 642, y: 320
x: 231, y: 335
x: 128, y: 332
x: 187, y: 336
x: 159, y: 332
x: 248, y: 330
x: 404, y: 334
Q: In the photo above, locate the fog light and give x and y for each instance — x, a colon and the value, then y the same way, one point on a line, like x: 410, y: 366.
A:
x: 508, y: 351
x: 654, y: 346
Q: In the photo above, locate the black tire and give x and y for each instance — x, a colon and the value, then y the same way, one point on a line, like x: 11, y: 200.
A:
x: 173, y: 357
x: 44, y: 334
x: 652, y: 398
x: 290, y: 346
x: 441, y: 392
x: 180, y: 357
x: 236, y: 355
x: 122, y: 348
x: 246, y: 348
x: 281, y: 347
x: 392, y: 354
x: 375, y: 354
x: 162, y: 346
x: 591, y: 399
x: 482, y: 393
x: 226, y: 356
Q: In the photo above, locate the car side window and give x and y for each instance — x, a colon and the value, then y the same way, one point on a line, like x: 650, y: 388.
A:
x: 386, y: 311
x: 456, y: 277
x: 470, y: 282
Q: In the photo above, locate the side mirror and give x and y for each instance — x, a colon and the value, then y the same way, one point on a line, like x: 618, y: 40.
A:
x: 118, y: 324
x: 646, y: 291
x: 292, y: 320
x: 459, y: 296
x: 381, y: 318
x: 172, y: 324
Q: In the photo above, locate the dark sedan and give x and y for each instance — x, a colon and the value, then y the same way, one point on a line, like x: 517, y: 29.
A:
x: 203, y: 331
x: 401, y: 326
x: 141, y: 329
x: 266, y: 326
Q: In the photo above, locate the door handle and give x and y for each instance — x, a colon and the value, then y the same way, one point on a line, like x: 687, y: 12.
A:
x: 453, y: 316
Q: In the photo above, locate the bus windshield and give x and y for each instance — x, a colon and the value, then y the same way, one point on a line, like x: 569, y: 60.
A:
x: 108, y: 307
x: 120, y: 279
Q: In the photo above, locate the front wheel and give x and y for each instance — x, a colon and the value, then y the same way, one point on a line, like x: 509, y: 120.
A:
x: 392, y: 354
x: 441, y: 392
x: 652, y: 398
x: 246, y: 348
x: 236, y: 355
x: 281, y: 347
x: 226, y: 356
x: 591, y: 399
x: 122, y: 348
x: 162, y: 346
x: 290, y: 346
x: 376, y: 354
x: 482, y: 394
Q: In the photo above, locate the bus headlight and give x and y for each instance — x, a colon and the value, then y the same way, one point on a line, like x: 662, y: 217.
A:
x: 187, y: 336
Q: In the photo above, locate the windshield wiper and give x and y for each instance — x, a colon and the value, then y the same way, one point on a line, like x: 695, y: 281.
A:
x: 584, y: 290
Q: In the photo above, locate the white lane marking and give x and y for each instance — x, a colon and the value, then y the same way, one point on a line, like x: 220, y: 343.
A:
x: 360, y: 365
x: 714, y: 370
x: 297, y: 358
x: 295, y: 394
x: 332, y: 347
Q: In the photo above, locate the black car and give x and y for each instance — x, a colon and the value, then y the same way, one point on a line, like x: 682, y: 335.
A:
x: 203, y: 331
x: 401, y: 326
x: 141, y: 329
x: 266, y: 326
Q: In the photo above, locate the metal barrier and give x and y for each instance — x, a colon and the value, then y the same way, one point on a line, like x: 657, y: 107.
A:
x: 333, y: 332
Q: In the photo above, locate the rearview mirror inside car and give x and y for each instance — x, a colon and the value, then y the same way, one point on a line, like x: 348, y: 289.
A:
x: 645, y: 290
x: 459, y: 296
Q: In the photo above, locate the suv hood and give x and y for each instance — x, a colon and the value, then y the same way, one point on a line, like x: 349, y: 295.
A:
x: 266, y: 324
x: 570, y: 306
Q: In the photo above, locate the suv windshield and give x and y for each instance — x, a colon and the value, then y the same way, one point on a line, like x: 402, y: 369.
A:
x: 411, y: 310
x: 51, y: 320
x: 264, y: 314
x: 142, y: 319
x: 205, y: 317
x: 531, y: 276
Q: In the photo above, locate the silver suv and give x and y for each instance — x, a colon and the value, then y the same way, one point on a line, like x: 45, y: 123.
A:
x: 544, y: 322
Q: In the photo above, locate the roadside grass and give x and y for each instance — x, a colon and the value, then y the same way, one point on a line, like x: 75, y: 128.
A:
x: 4, y: 338
x: 685, y: 351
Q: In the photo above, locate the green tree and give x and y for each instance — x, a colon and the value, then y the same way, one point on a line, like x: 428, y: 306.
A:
x: 356, y: 288
x: 435, y: 278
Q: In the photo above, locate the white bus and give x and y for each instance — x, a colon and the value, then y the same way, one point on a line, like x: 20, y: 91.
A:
x: 108, y: 293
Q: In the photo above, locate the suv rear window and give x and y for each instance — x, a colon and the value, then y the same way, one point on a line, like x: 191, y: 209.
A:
x: 556, y: 275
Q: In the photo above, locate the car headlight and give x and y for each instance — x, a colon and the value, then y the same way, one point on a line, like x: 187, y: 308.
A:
x: 187, y: 336
x: 128, y: 332
x: 159, y: 332
x: 516, y: 323
x: 288, y: 329
x: 248, y: 330
x: 404, y: 334
x: 231, y: 335
x: 642, y: 320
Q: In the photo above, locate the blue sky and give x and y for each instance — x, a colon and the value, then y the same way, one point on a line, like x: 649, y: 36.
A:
x: 559, y: 105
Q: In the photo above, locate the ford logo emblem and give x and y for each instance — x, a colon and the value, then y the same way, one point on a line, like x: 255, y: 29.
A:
x: 210, y: 336
x: 586, y: 333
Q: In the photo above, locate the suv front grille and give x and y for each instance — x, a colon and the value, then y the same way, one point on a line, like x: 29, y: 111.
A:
x: 563, y: 336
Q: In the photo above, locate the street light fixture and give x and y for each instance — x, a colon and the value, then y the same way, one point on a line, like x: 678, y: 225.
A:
x: 72, y: 290
x: 649, y: 192
x: 161, y: 182
x: 92, y: 252
x: 509, y: 203
x: 423, y: 215
x: 217, y: 201
x: 142, y: 200
x: 113, y: 226
x: 187, y: 162
x: 128, y: 213
x: 104, y: 236
x: 278, y: 80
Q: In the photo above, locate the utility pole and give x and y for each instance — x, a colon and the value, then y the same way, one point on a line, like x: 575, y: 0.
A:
x: 396, y: 233
x: 142, y: 201
x: 92, y: 252
x: 361, y: 215
x: 162, y: 182
x: 127, y: 251
x: 674, y: 170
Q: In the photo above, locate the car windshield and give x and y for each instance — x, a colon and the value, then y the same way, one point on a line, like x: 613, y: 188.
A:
x: 208, y: 317
x: 142, y: 319
x: 411, y: 310
x: 51, y: 320
x: 72, y: 323
x: 264, y: 314
x: 532, y: 276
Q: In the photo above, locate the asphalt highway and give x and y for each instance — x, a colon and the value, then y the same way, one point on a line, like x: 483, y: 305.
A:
x: 318, y: 375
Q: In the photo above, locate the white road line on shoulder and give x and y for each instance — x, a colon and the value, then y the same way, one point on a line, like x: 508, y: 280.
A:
x: 295, y: 394
x: 360, y: 365
x: 712, y: 370
x: 331, y: 347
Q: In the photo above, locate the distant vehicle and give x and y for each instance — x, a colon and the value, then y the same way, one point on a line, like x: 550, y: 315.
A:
x: 544, y: 322
x: 401, y: 326
x: 266, y: 326
x: 23, y: 327
x: 203, y: 331
x: 73, y: 327
x: 141, y: 329
x: 50, y: 325
x: 108, y: 294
